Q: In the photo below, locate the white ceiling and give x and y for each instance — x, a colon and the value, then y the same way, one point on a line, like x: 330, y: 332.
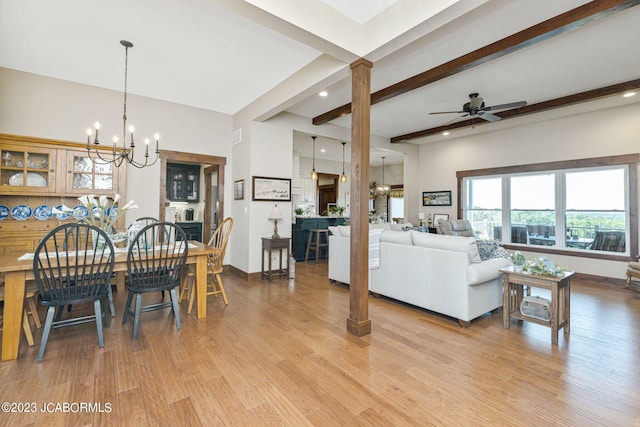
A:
x: 223, y: 55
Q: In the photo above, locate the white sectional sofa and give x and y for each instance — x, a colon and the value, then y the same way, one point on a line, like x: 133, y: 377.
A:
x: 440, y: 273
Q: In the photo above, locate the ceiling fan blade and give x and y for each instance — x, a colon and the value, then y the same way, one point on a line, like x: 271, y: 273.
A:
x: 488, y: 116
x: 505, y: 106
x: 454, y: 119
x: 448, y: 112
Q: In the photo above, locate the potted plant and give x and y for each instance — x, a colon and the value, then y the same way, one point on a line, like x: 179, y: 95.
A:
x: 518, y: 260
x: 298, y: 211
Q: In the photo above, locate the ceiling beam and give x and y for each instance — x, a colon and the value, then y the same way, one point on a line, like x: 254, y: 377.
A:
x: 563, y: 101
x: 552, y: 27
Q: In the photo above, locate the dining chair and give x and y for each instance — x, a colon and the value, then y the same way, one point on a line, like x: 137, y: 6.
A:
x: 68, y: 271
x: 30, y: 299
x: 610, y: 241
x: 154, y: 266
x: 219, y: 240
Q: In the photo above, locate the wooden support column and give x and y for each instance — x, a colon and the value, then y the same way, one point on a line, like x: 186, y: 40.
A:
x: 358, y: 322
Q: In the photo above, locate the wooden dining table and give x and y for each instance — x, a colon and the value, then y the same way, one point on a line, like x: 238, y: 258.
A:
x: 17, y: 272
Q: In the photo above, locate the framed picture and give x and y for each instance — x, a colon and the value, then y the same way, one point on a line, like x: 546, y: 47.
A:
x: 436, y: 198
x: 238, y: 189
x: 271, y: 189
x: 438, y: 217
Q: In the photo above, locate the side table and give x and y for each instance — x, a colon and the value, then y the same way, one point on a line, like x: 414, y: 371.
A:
x: 560, y: 288
x: 268, y: 245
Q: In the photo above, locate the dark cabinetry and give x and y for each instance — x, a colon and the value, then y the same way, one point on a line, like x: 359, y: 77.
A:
x: 300, y: 232
x: 193, y: 230
x: 183, y: 182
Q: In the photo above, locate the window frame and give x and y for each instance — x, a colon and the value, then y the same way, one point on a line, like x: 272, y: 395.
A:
x: 629, y: 160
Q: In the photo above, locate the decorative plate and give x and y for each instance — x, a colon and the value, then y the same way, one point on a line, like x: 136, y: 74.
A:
x: 80, y: 212
x: 21, y: 212
x: 42, y: 212
x: 61, y: 215
x: 4, y: 212
x: 113, y: 212
x: 33, y: 180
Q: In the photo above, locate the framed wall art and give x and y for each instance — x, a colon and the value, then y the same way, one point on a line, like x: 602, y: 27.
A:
x: 271, y: 189
x: 436, y: 198
x: 439, y: 217
x: 238, y: 189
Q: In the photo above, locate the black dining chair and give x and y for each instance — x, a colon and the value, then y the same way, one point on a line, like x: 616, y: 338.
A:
x: 68, y: 270
x: 154, y: 265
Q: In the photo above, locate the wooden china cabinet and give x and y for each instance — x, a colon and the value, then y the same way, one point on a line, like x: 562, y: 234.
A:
x: 42, y: 173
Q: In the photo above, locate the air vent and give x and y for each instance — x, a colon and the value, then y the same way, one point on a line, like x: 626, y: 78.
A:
x: 237, y: 136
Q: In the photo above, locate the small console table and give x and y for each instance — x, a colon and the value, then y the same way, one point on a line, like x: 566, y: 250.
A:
x: 268, y: 245
x: 560, y: 288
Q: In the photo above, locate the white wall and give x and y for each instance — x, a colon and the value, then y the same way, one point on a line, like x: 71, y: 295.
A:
x: 604, y: 133
x: 38, y: 106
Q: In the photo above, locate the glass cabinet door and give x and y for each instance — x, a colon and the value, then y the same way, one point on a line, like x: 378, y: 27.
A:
x: 86, y: 175
x: 24, y: 168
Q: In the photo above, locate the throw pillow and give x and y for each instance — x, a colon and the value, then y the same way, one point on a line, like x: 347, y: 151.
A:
x: 417, y: 228
x: 489, y: 249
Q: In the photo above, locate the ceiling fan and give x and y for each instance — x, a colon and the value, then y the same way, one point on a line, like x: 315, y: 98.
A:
x: 476, y: 108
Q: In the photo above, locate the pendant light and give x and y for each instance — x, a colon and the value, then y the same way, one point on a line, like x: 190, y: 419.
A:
x: 314, y: 174
x: 343, y: 177
x: 383, y: 189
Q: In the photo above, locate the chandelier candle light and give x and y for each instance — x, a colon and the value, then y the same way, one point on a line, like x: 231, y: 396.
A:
x: 275, y: 216
x: 123, y: 154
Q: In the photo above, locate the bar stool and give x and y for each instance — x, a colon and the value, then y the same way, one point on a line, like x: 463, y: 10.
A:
x: 314, y: 243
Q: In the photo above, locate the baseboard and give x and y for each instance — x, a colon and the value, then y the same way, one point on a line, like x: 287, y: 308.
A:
x: 600, y: 280
x: 244, y: 275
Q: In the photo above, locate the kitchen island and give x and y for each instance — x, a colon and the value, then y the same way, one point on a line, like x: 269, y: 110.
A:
x: 300, y: 231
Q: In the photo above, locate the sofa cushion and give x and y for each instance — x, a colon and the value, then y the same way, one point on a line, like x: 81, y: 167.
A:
x: 344, y: 230
x: 397, y: 237
x: 400, y: 227
x: 450, y: 243
x: 485, y: 271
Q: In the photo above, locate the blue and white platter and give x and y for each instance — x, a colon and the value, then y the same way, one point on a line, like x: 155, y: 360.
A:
x: 21, y: 212
x: 42, y: 212
x: 113, y: 212
x: 4, y: 212
x: 80, y: 212
x: 61, y: 215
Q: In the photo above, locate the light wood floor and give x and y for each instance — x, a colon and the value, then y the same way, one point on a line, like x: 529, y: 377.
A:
x: 279, y: 354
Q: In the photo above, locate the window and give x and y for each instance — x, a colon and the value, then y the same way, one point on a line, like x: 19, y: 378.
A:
x: 396, y: 205
x: 484, y: 206
x: 579, y: 206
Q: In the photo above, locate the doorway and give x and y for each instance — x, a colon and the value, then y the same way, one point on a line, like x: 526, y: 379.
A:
x: 327, y: 191
x: 213, y: 174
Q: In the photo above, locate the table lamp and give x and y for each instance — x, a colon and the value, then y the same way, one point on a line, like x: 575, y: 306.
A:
x: 275, y: 216
x: 421, y: 218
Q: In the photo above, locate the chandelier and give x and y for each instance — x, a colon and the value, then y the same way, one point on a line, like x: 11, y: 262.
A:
x: 121, y: 154
x: 382, y: 189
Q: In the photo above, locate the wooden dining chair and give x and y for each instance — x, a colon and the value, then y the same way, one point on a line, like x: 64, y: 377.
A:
x: 219, y: 241
x: 30, y: 299
x: 153, y: 267
x: 68, y: 271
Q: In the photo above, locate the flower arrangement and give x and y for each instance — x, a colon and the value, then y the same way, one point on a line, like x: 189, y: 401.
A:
x: 542, y: 266
x: 104, y: 217
x: 100, y: 214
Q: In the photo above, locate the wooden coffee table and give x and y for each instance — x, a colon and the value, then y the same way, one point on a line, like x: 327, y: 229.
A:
x: 560, y: 288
